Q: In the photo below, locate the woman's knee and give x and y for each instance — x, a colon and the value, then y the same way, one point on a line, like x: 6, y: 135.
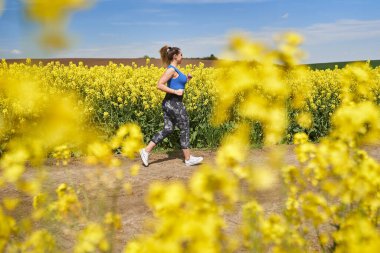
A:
x: 168, y: 129
x: 184, y: 125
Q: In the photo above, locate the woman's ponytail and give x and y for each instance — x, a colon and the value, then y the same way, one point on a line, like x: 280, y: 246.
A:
x: 164, y: 55
x: 167, y: 54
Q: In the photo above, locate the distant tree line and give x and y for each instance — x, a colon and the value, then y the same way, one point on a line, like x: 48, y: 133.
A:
x: 211, y: 57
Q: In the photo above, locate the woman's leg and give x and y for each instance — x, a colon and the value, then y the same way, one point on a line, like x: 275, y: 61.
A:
x: 150, y: 146
x: 168, y: 128
x: 184, y: 126
x: 158, y: 137
x: 186, y: 153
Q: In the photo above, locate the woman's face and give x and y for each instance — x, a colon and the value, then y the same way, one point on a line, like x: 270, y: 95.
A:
x: 178, y: 57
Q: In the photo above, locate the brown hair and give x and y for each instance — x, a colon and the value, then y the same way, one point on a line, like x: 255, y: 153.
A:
x: 167, y: 53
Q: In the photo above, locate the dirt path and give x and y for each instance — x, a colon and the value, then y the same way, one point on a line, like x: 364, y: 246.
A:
x: 164, y: 166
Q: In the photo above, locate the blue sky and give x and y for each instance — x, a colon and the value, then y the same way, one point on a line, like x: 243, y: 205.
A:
x: 334, y: 30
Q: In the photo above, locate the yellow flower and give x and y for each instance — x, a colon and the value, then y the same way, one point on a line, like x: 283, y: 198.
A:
x: 304, y: 120
x: 39, y: 241
x: 113, y: 219
x: 10, y: 203
x: 93, y: 237
x: 128, y: 188
x: 134, y: 170
x: 300, y: 138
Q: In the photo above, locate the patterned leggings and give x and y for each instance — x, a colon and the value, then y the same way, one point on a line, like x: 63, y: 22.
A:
x: 174, y: 114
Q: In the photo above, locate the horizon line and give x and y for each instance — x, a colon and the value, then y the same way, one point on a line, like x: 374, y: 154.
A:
x: 200, y: 58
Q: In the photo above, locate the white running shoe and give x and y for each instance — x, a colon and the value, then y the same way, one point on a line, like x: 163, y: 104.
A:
x: 193, y: 160
x: 144, y: 156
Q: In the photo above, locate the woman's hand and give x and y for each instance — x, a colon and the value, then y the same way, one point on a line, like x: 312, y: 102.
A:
x: 189, y: 76
x: 178, y: 92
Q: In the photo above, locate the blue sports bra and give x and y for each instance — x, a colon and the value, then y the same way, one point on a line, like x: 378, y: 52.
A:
x: 179, y: 82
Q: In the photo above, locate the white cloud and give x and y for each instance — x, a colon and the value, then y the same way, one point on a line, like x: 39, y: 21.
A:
x: 122, y: 23
x: 191, y: 47
x: 10, y: 7
x: 286, y: 15
x: 209, y: 1
x: 343, y: 30
x: 342, y: 40
x: 151, y: 10
x: 106, y: 34
x: 201, y: 46
x: 320, y: 33
x: 16, y: 51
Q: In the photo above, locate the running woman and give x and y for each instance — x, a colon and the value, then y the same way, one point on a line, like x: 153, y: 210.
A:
x: 172, y: 106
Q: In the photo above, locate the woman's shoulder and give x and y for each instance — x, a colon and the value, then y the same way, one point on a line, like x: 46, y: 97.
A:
x: 175, y: 68
x: 171, y: 69
x: 171, y: 66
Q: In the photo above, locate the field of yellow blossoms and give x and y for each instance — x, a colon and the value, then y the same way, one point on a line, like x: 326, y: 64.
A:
x: 115, y: 94
x: 262, y: 98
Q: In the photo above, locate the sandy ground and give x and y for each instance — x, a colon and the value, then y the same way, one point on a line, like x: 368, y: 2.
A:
x: 164, y: 166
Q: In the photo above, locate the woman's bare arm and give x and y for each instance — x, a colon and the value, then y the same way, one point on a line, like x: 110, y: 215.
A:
x: 164, y: 79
